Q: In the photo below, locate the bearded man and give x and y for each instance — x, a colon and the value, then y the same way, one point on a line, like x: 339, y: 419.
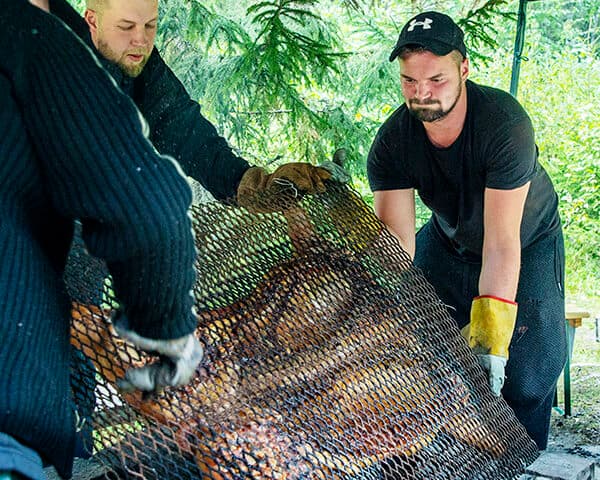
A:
x: 125, y: 36
x: 122, y: 33
x: 494, y: 239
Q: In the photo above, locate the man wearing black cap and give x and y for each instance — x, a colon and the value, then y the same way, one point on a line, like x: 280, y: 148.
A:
x: 494, y: 240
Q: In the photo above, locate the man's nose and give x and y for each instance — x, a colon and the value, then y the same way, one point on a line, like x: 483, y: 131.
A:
x: 139, y: 37
x: 422, y: 91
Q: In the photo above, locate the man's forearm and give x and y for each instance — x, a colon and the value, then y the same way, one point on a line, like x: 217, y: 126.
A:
x: 500, y: 272
x: 407, y: 244
x: 396, y: 209
x: 501, y: 254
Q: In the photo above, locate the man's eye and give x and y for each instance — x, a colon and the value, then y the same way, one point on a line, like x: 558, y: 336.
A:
x: 124, y: 28
x: 151, y: 26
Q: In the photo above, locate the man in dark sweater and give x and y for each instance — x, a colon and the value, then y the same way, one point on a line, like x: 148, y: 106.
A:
x: 122, y: 32
x: 494, y: 237
x: 70, y: 151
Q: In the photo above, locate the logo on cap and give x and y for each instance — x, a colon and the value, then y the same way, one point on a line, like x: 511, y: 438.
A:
x: 426, y: 24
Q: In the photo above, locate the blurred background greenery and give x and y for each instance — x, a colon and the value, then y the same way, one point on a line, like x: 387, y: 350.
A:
x: 287, y: 80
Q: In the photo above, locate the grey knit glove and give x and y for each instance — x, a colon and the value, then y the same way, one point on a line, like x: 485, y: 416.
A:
x: 494, y: 366
x: 336, y: 167
x: 338, y: 174
x: 178, y: 361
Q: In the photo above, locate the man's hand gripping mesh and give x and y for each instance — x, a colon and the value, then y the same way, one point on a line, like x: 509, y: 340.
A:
x: 178, y: 360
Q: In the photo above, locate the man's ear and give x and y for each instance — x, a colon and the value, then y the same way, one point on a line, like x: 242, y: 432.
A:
x: 464, y: 69
x: 91, y: 18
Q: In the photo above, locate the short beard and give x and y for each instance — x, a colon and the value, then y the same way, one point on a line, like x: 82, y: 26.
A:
x: 129, y: 70
x: 429, y: 114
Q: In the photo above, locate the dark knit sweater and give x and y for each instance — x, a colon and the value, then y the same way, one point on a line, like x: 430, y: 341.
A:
x: 177, y: 126
x: 71, y: 146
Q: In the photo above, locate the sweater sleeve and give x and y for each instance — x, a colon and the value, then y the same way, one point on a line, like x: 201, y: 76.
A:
x: 178, y: 128
x: 100, y: 167
x: 63, y: 10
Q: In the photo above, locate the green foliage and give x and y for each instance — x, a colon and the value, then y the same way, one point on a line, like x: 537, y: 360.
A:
x: 79, y: 5
x: 481, y: 28
x: 562, y: 97
x: 558, y: 25
x: 569, y: 129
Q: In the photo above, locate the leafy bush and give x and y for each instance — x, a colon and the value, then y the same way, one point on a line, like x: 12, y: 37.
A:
x: 562, y: 95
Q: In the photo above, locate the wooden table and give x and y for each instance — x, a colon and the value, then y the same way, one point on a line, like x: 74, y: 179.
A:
x: 573, y: 320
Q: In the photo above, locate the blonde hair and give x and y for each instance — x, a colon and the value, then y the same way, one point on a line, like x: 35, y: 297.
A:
x: 96, y: 5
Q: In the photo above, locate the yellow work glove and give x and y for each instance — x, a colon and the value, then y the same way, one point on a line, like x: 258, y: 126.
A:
x: 260, y: 191
x: 489, y: 334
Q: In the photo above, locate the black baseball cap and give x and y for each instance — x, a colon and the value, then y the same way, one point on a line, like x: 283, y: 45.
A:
x: 433, y: 31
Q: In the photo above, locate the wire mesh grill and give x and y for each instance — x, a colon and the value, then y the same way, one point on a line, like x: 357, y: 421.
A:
x: 327, y: 355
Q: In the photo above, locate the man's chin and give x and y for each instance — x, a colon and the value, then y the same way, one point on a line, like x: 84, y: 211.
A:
x: 427, y: 115
x: 132, y: 69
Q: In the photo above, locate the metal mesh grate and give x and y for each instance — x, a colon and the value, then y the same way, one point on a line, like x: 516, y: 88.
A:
x: 328, y: 355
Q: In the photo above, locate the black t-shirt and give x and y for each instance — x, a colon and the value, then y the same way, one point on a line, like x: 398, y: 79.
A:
x: 496, y: 149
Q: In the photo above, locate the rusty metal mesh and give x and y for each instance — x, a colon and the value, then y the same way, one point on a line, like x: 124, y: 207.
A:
x: 328, y: 355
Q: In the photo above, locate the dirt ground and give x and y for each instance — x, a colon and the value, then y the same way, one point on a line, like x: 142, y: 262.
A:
x: 582, y: 428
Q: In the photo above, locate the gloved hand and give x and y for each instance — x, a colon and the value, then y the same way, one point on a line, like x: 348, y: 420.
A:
x: 338, y: 174
x: 494, y: 366
x: 178, y: 361
x: 489, y: 334
x: 258, y: 189
x: 336, y: 167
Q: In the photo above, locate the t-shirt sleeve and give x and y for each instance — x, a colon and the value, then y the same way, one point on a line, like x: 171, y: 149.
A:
x: 512, y: 156
x: 385, y: 168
